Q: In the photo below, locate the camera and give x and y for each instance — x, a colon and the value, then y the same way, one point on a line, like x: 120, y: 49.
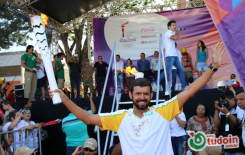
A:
x: 221, y: 90
x: 86, y: 92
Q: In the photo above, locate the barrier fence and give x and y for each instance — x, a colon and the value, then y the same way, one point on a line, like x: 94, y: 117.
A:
x: 20, y: 138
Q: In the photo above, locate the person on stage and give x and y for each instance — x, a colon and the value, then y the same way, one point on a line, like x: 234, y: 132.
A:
x: 202, y: 60
x: 171, y: 55
x: 145, y: 130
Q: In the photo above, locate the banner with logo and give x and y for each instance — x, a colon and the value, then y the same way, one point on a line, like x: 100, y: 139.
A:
x: 229, y: 19
x: 136, y: 34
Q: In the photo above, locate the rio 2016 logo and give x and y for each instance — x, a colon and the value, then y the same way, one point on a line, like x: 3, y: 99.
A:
x: 199, y: 140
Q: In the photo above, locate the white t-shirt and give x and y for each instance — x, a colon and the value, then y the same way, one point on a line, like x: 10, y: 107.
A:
x: 175, y: 129
x: 120, y: 65
x: 179, y: 56
x: 17, y: 136
x: 169, y: 44
x: 154, y: 64
x: 148, y: 135
x: 24, y: 123
x: 237, y: 111
x: 40, y: 71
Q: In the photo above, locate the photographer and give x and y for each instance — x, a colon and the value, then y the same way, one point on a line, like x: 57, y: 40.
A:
x: 227, y: 116
x: 76, y: 130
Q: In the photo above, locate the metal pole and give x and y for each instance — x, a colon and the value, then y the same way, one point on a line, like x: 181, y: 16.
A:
x: 40, y: 141
x: 167, y: 90
x: 7, y: 138
x: 108, y: 132
x: 98, y: 140
x: 21, y: 138
x: 158, y: 69
x: 27, y: 132
x: 105, y: 83
x: 33, y: 135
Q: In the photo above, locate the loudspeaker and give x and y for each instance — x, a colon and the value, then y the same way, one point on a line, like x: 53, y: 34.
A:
x: 19, y: 94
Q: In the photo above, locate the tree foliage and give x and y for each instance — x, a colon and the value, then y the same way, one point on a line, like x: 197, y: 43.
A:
x: 13, y: 28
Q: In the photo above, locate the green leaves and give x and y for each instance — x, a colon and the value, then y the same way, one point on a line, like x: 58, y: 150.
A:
x: 13, y: 29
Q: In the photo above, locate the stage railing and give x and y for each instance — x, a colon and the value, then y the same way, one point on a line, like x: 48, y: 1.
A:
x: 158, y: 73
x: 96, y: 129
x: 22, y: 137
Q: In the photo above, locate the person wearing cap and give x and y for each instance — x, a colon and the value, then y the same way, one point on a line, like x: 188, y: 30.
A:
x: 76, y: 130
x: 175, y: 71
x: 90, y: 147
x: 59, y: 71
x: 29, y: 61
x: 87, y: 73
x: 187, y: 63
x: 23, y: 150
x: 75, y: 74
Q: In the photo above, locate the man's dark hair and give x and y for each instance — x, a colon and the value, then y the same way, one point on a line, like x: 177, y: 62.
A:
x: 6, y: 102
x: 55, y: 56
x: 29, y: 47
x: 118, y: 55
x: 170, y: 22
x: 229, y: 94
x: 99, y: 56
x: 142, y: 82
x: 175, y: 45
x: 234, y: 75
x: 11, y: 114
x: 241, y: 90
x: 142, y: 53
x: 23, y: 102
x: 60, y: 55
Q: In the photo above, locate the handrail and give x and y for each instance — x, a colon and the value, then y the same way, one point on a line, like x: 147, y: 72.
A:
x: 105, y: 83
x: 21, y: 136
x: 167, y: 89
x: 96, y: 129
x: 108, y: 132
x: 158, y: 69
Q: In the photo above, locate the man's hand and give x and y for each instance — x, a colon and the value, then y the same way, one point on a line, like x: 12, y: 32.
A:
x: 216, y: 105
x: 152, y: 70
x: 32, y: 70
x: 185, y: 147
x: 218, y: 51
x: 63, y: 64
x: 22, y: 129
x: 37, y: 125
x: 224, y: 110
x: 61, y: 93
x: 90, y: 96
x: 78, y: 150
x: 177, y: 29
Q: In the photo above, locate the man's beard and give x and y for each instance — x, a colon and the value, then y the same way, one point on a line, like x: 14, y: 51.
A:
x: 140, y: 107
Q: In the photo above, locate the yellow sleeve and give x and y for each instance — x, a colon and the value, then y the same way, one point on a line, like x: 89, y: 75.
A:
x: 169, y: 109
x: 112, y: 121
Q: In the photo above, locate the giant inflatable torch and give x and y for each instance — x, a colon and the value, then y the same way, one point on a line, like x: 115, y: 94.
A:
x: 39, y: 31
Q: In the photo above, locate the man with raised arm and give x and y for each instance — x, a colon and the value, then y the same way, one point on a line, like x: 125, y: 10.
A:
x: 143, y: 129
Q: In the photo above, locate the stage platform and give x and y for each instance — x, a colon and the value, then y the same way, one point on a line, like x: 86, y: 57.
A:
x: 44, y: 111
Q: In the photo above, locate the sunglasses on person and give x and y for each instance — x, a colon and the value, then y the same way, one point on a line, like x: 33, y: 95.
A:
x: 88, y: 149
x: 100, y: 58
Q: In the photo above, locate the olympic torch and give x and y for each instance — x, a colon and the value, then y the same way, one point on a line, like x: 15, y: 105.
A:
x: 39, y: 31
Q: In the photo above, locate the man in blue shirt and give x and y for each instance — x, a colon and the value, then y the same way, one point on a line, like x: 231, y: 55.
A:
x: 76, y: 130
x: 143, y: 65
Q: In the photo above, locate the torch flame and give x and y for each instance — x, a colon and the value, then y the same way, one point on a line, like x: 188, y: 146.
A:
x: 44, y: 19
x: 130, y: 70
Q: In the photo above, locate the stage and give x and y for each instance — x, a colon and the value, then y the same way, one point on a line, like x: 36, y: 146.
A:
x: 44, y: 111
